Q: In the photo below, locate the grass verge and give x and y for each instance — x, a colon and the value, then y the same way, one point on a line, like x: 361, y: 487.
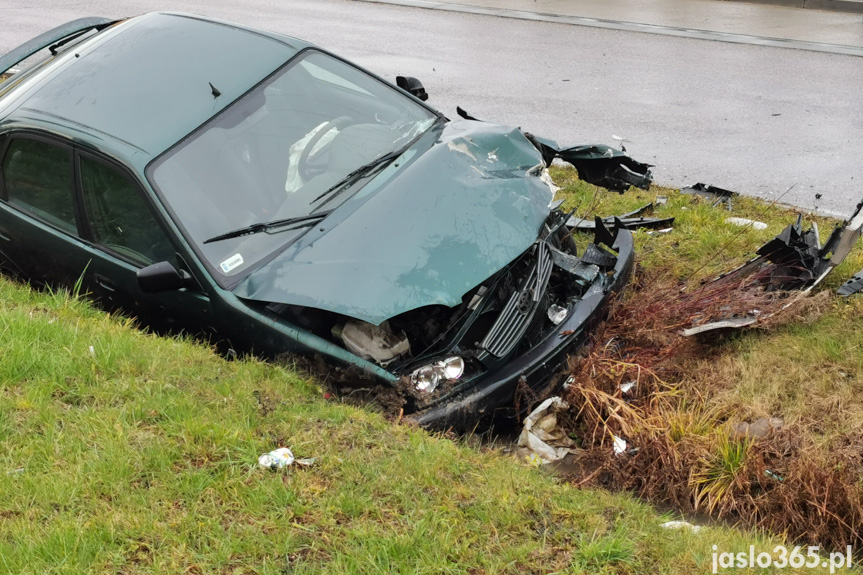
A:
x: 121, y: 452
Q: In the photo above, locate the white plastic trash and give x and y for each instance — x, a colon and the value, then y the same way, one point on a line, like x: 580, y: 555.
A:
x: 742, y: 222
x: 276, y: 459
x: 541, y: 433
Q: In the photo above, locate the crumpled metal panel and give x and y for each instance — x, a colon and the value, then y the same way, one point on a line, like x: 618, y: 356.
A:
x: 469, y: 203
x: 597, y: 164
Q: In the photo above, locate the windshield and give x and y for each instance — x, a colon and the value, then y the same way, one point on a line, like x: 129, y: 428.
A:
x: 274, y: 152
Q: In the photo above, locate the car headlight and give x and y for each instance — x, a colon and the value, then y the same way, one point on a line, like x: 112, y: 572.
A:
x: 428, y: 377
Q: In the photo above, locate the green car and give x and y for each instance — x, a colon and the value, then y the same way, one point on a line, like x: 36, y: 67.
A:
x: 277, y: 200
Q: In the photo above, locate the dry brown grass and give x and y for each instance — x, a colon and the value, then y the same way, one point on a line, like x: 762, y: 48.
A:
x: 678, y: 418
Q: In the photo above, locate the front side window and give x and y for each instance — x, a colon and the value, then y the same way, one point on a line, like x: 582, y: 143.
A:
x: 38, y: 180
x: 119, y: 217
x: 274, y: 153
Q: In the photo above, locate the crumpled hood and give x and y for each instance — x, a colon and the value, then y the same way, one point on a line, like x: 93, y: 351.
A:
x: 424, y: 231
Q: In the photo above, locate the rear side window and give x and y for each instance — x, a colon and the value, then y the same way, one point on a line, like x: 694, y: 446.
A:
x: 38, y: 179
x: 119, y: 217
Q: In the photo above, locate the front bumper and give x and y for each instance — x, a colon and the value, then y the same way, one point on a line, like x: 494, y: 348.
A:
x: 540, y: 367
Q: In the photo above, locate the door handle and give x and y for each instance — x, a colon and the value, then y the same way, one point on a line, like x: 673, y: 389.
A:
x: 104, y: 282
x: 4, y: 235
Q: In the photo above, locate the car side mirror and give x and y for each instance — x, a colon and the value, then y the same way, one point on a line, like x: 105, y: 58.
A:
x: 162, y: 276
x: 412, y: 86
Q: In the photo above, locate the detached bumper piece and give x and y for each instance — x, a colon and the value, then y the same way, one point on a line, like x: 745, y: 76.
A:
x: 597, y: 164
x: 798, y: 259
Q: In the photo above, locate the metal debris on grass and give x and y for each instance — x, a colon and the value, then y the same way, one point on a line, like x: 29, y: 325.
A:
x: 710, y: 193
x: 630, y: 220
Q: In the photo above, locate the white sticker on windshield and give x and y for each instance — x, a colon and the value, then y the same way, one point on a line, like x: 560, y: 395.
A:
x: 232, y: 262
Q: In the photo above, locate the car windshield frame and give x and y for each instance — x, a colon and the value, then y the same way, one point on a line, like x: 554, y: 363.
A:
x: 275, y: 241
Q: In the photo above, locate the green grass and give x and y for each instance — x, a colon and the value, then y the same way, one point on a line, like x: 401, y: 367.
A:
x: 140, y: 457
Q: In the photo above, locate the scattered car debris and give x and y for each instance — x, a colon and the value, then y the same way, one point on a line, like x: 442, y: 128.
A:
x: 793, y: 260
x: 281, y: 458
x: 620, y: 222
x: 852, y: 286
x: 731, y: 323
x: 744, y: 222
x: 630, y: 220
x: 713, y: 194
x: 541, y: 433
x: 597, y: 164
x: 681, y: 525
x: 796, y: 260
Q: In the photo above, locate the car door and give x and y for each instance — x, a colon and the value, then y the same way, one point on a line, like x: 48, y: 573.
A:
x: 39, y: 214
x: 127, y: 236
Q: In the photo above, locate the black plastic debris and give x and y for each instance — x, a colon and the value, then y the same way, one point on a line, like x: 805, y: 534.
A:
x: 614, y: 221
x: 465, y: 114
x: 598, y: 256
x: 796, y: 255
x: 710, y: 193
x: 630, y: 220
x: 597, y: 164
x: 601, y: 233
x: 797, y: 258
x: 852, y: 286
x: 638, y: 212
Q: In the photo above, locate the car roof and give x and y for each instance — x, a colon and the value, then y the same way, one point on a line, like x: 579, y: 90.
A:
x: 151, y: 80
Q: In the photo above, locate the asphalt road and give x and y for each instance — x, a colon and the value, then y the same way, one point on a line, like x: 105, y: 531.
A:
x: 754, y: 119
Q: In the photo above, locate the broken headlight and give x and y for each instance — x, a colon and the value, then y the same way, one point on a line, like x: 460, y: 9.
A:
x: 428, y: 377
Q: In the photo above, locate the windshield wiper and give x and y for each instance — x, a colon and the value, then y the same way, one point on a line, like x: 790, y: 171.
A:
x: 355, y: 175
x: 300, y: 221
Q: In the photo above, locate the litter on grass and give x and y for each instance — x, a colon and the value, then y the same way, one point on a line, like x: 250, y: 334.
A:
x: 541, y: 433
x: 626, y: 387
x: 744, y: 222
x: 281, y: 458
x: 681, y: 525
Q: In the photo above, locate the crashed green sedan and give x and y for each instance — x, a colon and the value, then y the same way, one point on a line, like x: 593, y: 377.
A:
x: 277, y: 200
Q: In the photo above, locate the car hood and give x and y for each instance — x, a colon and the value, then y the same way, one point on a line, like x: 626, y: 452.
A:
x: 460, y: 205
